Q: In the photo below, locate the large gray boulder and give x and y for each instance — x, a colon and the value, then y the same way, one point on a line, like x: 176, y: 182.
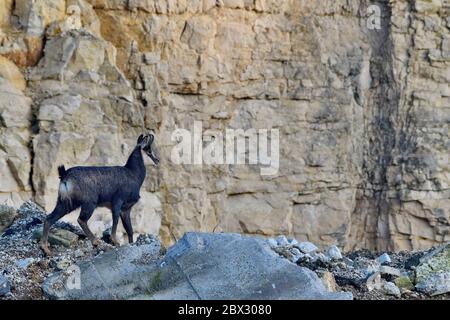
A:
x: 199, y: 266
x: 119, y: 273
x: 433, y: 271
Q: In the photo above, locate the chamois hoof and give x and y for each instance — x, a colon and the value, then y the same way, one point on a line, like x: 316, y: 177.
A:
x: 114, y: 242
x: 45, y: 249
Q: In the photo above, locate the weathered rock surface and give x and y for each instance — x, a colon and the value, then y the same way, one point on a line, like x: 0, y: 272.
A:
x: 116, y: 274
x: 361, y: 272
x: 363, y: 114
x: 15, y: 154
x: 391, y: 289
x: 404, y: 283
x: 436, y: 261
x: 58, y: 237
x: 432, y: 275
x: 198, y: 266
x: 7, y: 215
x: 328, y: 280
x: 333, y: 252
x: 435, y: 284
x: 384, y: 259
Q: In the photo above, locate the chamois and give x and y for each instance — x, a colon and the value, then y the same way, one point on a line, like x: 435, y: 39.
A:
x: 90, y: 187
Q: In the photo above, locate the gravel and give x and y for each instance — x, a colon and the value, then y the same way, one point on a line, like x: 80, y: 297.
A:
x: 23, y: 264
x: 372, y: 275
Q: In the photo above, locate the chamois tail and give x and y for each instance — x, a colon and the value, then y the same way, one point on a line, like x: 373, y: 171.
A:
x: 62, y: 172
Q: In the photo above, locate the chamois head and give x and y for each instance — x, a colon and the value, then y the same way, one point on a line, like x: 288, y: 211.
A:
x: 145, y: 142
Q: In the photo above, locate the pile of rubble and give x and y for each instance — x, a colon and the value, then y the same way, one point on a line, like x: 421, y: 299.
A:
x: 402, y: 275
x: 367, y: 275
x: 23, y: 266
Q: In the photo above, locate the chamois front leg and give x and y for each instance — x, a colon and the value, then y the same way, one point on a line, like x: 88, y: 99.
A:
x: 126, y: 221
x: 86, y: 212
x: 115, y: 209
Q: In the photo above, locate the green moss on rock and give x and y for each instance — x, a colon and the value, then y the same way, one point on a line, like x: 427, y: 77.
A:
x: 58, y: 237
x: 437, y: 261
x: 404, y: 283
x: 156, y: 281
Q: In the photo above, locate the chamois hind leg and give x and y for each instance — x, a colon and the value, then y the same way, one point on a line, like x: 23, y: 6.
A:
x: 115, y: 209
x: 126, y: 221
x: 60, y: 211
x: 86, y: 212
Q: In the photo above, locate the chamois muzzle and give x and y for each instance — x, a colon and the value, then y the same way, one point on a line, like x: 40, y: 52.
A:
x: 150, y: 149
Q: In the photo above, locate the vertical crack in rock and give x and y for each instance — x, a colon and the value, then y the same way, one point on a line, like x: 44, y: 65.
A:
x: 34, y: 128
x: 400, y: 166
x: 380, y: 134
x: 383, y: 113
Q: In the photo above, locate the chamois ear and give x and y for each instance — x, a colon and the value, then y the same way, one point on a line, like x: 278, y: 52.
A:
x: 151, y: 138
x: 140, y: 139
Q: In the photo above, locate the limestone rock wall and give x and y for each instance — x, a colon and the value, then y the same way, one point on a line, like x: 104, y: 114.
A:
x: 363, y: 114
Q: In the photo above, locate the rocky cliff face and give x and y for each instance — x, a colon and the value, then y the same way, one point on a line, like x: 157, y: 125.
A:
x: 363, y: 113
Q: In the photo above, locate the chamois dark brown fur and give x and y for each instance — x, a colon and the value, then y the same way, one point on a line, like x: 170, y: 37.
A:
x: 90, y: 187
